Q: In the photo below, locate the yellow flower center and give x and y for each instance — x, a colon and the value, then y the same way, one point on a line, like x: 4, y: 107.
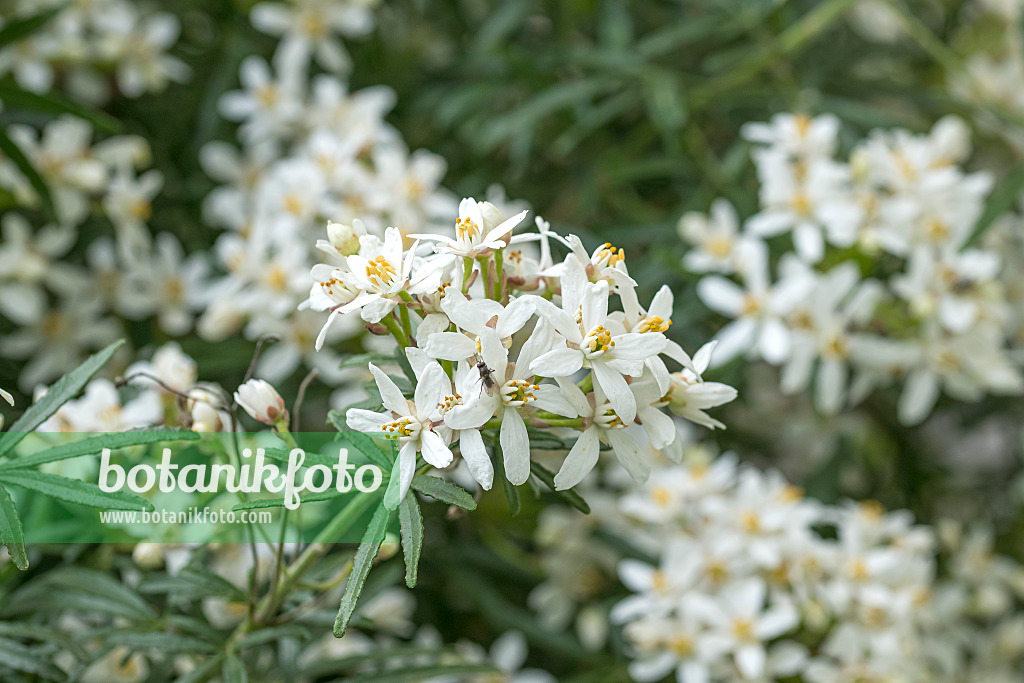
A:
x: 597, y: 342
x: 654, y: 323
x: 380, y: 272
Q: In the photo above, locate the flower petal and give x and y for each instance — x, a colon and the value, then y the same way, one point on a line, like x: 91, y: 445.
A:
x: 390, y: 394
x: 580, y: 461
x: 515, y: 447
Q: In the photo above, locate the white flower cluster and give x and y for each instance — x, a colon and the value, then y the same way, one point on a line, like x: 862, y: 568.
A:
x: 129, y: 274
x: 754, y: 582
x: 164, y: 391
x: 310, y: 149
x: 86, y: 41
x: 522, y: 342
x: 882, y: 282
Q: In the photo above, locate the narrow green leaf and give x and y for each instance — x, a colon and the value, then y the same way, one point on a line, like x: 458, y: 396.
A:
x: 11, y: 534
x: 165, y: 642
x: 273, y: 634
x: 1002, y: 200
x: 444, y: 491
x: 405, y: 365
x: 14, y: 655
x: 15, y: 97
x: 74, y: 490
x: 58, y: 394
x: 422, y: 673
x: 570, y: 496
x: 95, y: 445
x: 411, y: 521
x: 511, y: 492
x: 190, y: 583
x: 22, y: 27
x: 361, y: 565
x: 233, y: 671
x: 11, y: 150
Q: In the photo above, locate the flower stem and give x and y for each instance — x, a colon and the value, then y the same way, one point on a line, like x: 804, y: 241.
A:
x: 389, y: 322
x: 467, y: 272
x: 499, y: 265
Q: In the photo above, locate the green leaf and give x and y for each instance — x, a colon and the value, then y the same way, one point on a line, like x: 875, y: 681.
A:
x: 1002, y: 200
x: 570, y: 496
x: 411, y: 521
x: 15, y: 97
x: 74, y: 490
x: 423, y: 673
x: 444, y: 491
x: 81, y: 589
x: 11, y: 150
x: 22, y: 27
x: 14, y: 655
x: 95, y: 445
x: 361, y: 565
x: 165, y: 642
x: 233, y: 671
x: 361, y: 360
x: 11, y: 534
x: 190, y: 584
x: 58, y: 394
x: 273, y: 634
x: 511, y: 492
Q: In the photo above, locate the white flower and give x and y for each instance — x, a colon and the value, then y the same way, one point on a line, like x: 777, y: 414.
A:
x: 739, y: 619
x: 168, y: 284
x: 307, y: 26
x: 804, y: 200
x: 117, y: 666
x: 479, y: 230
x: 409, y: 423
x: 474, y: 317
x: 758, y: 309
x: 380, y: 272
x: 715, y: 237
x: 100, y: 409
x: 602, y: 424
x: 258, y: 398
x: 797, y: 134
x: 821, y: 329
x: 594, y: 340
x: 26, y: 261
x: 657, y: 318
x: 512, y: 392
x: 267, y: 106
x: 207, y: 412
x: 129, y: 199
x: 689, y: 395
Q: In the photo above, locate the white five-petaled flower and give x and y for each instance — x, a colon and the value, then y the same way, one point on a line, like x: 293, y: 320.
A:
x: 689, y: 396
x: 512, y: 390
x: 380, y: 271
x: 594, y: 340
x: 658, y: 318
x: 602, y: 424
x: 479, y: 230
x: 412, y: 424
x: 261, y: 400
x: 474, y: 317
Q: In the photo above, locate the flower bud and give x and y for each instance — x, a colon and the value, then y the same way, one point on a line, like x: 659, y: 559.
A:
x: 204, y: 410
x: 148, y: 555
x: 258, y: 398
x: 491, y: 215
x: 345, y: 238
